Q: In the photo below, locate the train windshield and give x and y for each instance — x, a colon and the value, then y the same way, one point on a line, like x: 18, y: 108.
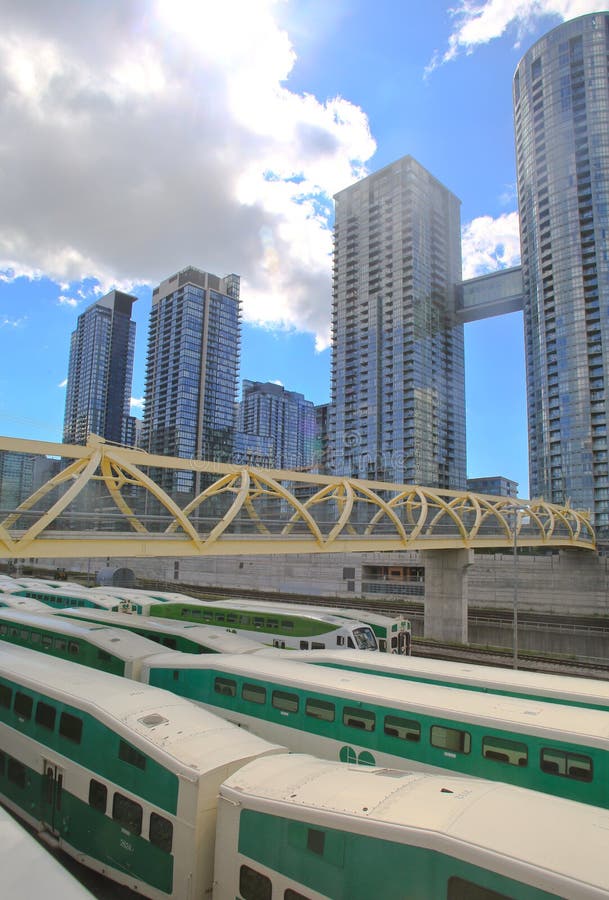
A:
x: 364, y: 638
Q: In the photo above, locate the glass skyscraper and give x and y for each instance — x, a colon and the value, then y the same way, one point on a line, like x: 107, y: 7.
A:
x: 100, y: 372
x: 284, y: 417
x: 398, y: 386
x: 561, y: 110
x: 191, y: 371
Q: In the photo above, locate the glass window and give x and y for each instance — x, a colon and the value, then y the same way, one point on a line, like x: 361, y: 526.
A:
x: 569, y: 765
x: 132, y: 756
x: 501, y: 750
x: 35, y: 637
x: 98, y: 795
x: 23, y: 705
x: 6, y: 696
x: 354, y: 717
x: 460, y: 889
x: 73, y: 648
x: 405, y: 729
x: 128, y: 813
x: 45, y: 715
x: 2, y: 763
x: 320, y: 709
x: 316, y: 645
x: 70, y: 727
x: 16, y: 772
x: 450, y: 739
x: 315, y: 841
x: 254, y: 885
x: 285, y: 702
x: 225, y: 686
x: 291, y: 894
x: 254, y: 693
x: 60, y: 644
x: 161, y: 832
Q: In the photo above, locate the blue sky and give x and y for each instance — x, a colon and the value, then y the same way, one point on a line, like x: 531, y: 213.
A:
x: 141, y: 137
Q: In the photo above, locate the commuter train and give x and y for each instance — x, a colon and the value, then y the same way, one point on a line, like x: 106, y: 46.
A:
x: 176, y: 803
x: 565, y: 689
x: 63, y: 597
x: 353, y: 717
x: 393, y: 633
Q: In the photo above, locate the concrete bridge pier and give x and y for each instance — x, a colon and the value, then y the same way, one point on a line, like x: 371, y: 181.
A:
x: 446, y: 594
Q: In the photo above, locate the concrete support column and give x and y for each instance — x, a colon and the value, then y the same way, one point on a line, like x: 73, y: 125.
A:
x: 446, y: 596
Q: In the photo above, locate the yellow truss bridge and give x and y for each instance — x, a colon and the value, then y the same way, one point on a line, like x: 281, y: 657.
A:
x: 108, y: 501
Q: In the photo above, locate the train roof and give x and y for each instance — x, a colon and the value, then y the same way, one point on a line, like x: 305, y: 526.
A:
x: 294, y: 606
x: 547, y: 833
x: 76, y: 592
x: 492, y: 678
x: 29, y: 870
x: 192, y: 739
x: 490, y: 710
x: 214, y: 638
x: 15, y: 601
x: 124, y: 644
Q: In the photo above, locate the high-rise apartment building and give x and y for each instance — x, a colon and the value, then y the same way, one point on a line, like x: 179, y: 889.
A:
x: 398, y: 394
x: 100, y: 372
x: 192, y: 369
x: 561, y: 110
x: 286, y: 418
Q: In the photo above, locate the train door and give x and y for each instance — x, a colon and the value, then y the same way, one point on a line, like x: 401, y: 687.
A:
x: 403, y: 643
x: 52, y: 791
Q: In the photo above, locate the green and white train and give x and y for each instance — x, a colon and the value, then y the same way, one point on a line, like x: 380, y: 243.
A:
x: 119, y: 775
x: 64, y: 597
x: 354, y: 717
x: 393, y: 633
x: 178, y: 804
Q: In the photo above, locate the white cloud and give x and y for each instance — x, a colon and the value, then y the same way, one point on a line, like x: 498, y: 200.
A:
x: 67, y: 301
x: 137, y: 403
x: 480, y: 22
x: 147, y: 136
x: 63, y: 384
x: 490, y: 244
x: 6, y: 322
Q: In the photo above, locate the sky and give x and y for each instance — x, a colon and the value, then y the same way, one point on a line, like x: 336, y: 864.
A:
x: 143, y: 136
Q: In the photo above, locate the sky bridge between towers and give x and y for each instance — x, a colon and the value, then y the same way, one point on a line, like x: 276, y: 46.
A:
x: 101, y: 500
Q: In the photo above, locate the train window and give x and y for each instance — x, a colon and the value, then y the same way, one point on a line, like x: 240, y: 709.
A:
x: 304, y: 645
x: 272, y: 623
x: 291, y: 894
x: 60, y: 644
x: 3, y: 629
x: 460, y: 889
x: 127, y: 813
x: 500, y: 750
x: 569, y: 765
x: 98, y: 795
x: 6, y: 696
x: 24, y: 635
x: 16, y: 772
x: 103, y: 656
x: 254, y: 885
x: 450, y: 739
x: 47, y: 641
x: 232, y: 618
x: 254, y: 693
x: 2, y: 762
x: 14, y: 632
x: 35, y: 637
x: 225, y: 686
x: 405, y: 729
x: 219, y: 617
x: 23, y: 705
x: 320, y: 709
x: 258, y: 621
x: 340, y: 640
x: 73, y: 648
x: 170, y: 642
x: 287, y: 624
x: 132, y: 756
x: 70, y: 727
x: 315, y: 645
x: 285, y: 702
x: 161, y: 832
x: 355, y: 717
x: 315, y: 841
x: 45, y: 715
x: 244, y: 620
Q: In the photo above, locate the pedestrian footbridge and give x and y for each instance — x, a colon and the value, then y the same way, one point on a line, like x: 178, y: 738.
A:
x: 101, y: 500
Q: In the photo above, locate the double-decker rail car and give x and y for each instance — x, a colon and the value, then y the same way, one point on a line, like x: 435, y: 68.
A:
x: 62, y: 597
x: 183, y: 636
x: 112, y: 650
x: 296, y: 631
x: 393, y: 633
x: 372, y: 720
x: 29, y: 870
x: 295, y: 827
x: 569, y: 690
x: 120, y: 776
x: 10, y: 601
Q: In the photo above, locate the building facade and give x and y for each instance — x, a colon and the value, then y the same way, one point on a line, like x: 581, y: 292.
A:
x: 191, y: 370
x: 497, y: 485
x: 398, y: 387
x: 100, y: 372
x: 561, y: 111
x: 284, y: 418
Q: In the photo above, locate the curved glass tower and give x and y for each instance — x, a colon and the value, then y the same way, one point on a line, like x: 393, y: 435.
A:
x: 561, y: 110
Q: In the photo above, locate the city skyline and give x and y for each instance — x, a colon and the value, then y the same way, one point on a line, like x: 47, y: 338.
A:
x: 279, y: 205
